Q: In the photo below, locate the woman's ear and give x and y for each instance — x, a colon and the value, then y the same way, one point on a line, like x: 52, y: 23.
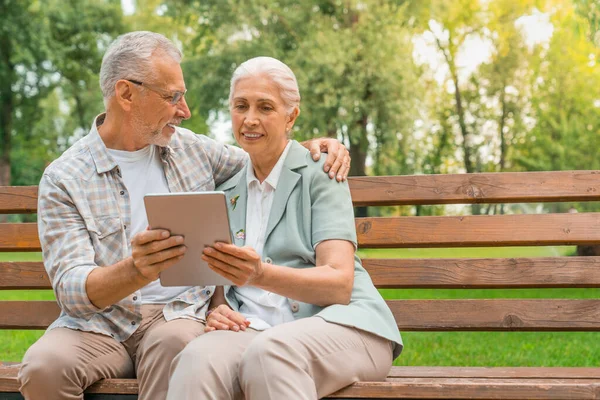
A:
x: 292, y: 119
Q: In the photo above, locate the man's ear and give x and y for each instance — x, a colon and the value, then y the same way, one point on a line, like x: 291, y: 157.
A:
x: 124, y: 94
x: 292, y: 119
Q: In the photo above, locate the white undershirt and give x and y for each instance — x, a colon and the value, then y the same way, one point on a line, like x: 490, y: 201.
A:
x: 263, y: 309
x: 143, y: 173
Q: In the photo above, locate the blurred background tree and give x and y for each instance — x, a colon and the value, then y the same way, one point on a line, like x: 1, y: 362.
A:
x: 409, y: 86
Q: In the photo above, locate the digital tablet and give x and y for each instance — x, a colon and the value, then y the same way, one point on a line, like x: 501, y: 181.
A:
x: 202, y: 219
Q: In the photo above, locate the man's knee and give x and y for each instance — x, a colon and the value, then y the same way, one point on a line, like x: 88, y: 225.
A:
x: 46, y: 369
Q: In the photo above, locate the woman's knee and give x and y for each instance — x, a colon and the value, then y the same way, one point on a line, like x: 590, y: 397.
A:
x: 268, y: 350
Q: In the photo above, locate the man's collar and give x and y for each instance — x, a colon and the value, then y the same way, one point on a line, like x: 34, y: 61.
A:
x: 102, y: 159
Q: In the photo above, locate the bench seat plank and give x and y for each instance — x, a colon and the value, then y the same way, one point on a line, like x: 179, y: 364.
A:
x: 463, y: 388
x: 442, y: 383
x: 505, y: 187
x: 422, y: 273
x: 411, y: 315
x: 496, y: 372
x: 479, y: 230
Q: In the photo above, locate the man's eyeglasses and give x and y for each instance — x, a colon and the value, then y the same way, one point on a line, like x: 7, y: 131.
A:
x: 174, y: 96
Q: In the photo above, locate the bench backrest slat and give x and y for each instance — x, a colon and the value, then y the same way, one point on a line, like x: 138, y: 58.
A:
x: 504, y: 187
x: 19, y: 237
x: 487, y: 273
x: 18, y: 199
x: 403, y: 232
x: 497, y: 315
x: 406, y: 232
x: 411, y: 315
x: 414, y: 273
x: 479, y: 230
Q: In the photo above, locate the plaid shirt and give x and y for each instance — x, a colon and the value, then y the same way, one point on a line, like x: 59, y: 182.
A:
x: 84, y: 214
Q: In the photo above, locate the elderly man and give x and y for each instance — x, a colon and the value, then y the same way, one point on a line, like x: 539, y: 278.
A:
x: 117, y: 321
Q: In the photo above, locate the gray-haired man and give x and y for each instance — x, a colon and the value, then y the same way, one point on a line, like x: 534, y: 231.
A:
x: 117, y: 321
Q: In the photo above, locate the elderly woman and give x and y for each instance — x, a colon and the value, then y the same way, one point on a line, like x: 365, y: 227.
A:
x: 303, y: 319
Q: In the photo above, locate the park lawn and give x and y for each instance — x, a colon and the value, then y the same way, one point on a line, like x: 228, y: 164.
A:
x: 428, y: 348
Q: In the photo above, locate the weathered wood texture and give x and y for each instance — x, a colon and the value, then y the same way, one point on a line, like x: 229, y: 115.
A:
x: 461, y: 388
x: 496, y: 372
x: 489, y: 273
x: 432, y: 383
x: 27, y: 314
x: 411, y: 315
x: 416, y: 315
x: 479, y: 230
x: 497, y: 315
x: 505, y: 187
x: 18, y: 199
x: 23, y: 275
x: 19, y: 237
x: 403, y: 232
x: 421, y: 273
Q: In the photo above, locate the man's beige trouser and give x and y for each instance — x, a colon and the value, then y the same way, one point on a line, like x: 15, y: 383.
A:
x: 305, y: 359
x: 63, y: 362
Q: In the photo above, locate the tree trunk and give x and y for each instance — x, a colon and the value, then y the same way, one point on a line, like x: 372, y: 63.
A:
x: 6, y: 108
x: 358, y: 152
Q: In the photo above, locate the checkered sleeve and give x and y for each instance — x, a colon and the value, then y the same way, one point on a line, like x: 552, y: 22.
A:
x: 226, y: 160
x: 67, y: 248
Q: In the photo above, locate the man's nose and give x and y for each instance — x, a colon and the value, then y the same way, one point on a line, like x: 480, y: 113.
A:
x: 183, y: 110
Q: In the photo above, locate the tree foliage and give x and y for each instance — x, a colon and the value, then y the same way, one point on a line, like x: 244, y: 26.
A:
x: 410, y: 86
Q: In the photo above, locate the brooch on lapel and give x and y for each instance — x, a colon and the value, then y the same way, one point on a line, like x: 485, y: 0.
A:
x: 233, y: 201
x: 241, y: 234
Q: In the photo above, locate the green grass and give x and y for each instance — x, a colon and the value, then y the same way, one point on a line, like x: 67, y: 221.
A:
x: 567, y: 349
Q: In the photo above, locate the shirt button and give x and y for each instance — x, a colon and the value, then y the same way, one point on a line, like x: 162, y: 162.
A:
x: 124, y: 226
x: 132, y: 322
x: 134, y: 298
x: 295, y: 307
x: 122, y: 192
x: 208, y: 292
x: 268, y: 260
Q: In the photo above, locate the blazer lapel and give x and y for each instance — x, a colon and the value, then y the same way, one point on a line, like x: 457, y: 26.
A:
x: 288, y: 180
x: 236, y: 192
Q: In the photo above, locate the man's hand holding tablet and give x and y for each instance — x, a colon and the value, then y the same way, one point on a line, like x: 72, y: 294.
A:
x: 201, y: 219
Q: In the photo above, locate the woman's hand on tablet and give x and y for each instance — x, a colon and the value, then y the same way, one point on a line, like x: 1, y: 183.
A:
x: 241, y: 265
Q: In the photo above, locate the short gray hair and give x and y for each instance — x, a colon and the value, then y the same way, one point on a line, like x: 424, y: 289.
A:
x: 129, y: 57
x: 278, y: 72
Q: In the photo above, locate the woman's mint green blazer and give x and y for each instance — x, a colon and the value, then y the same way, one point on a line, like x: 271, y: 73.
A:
x: 308, y: 208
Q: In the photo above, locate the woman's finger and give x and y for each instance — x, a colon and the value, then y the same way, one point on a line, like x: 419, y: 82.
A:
x: 220, y: 321
x: 237, y: 318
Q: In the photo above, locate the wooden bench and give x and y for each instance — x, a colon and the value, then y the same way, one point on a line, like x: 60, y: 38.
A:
x: 417, y: 382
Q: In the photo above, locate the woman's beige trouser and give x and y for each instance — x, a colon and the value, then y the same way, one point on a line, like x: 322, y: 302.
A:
x: 63, y: 362
x: 305, y: 359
